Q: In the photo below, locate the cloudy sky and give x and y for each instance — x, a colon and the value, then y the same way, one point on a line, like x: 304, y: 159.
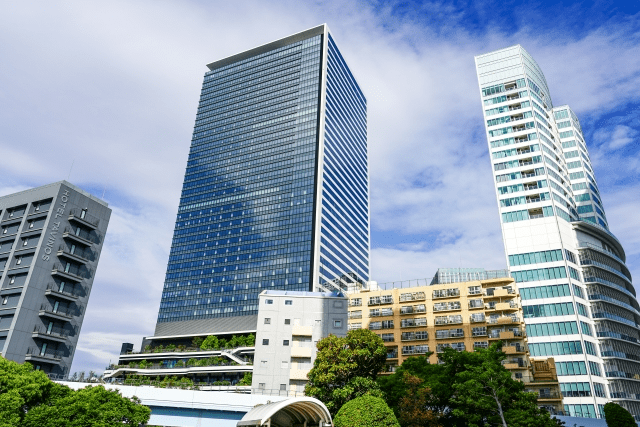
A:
x: 112, y: 89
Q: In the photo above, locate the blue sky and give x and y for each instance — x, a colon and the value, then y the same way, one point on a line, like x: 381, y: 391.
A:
x: 113, y: 87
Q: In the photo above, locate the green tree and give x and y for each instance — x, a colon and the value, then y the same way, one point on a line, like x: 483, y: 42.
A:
x: 367, y: 411
x: 468, y: 389
x: 413, y: 408
x: 29, y: 399
x: 246, y: 380
x: 210, y: 343
x: 617, y: 416
x: 346, y: 368
x: 93, y: 405
x: 197, y: 342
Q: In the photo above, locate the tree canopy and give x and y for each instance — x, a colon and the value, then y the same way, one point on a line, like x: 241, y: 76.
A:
x: 29, y: 399
x: 465, y: 389
x: 346, y: 368
x: 367, y: 411
x: 617, y: 416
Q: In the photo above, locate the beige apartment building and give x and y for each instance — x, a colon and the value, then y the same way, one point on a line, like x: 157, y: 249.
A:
x: 465, y: 316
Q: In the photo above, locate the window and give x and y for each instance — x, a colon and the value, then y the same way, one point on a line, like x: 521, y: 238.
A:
x: 10, y: 214
x: 30, y: 224
x: 261, y: 386
x: 268, y: 301
x: 13, y: 279
x: 283, y: 387
x: 267, y: 320
x: 337, y: 323
x: 285, y: 343
x: 25, y: 242
x: 18, y: 260
x: 36, y: 207
x: 287, y: 321
x: 83, y: 213
x: 285, y: 364
x: 288, y: 302
x: 265, y: 341
x: 355, y: 302
x: 5, y: 300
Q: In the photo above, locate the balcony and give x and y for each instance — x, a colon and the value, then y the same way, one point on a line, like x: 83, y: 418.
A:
x: 82, y: 217
x: 38, y: 355
x: 55, y: 313
x: 68, y: 272
x: 79, y: 235
x: 299, y: 374
x: 514, y: 349
x: 54, y: 290
x: 549, y: 395
x: 53, y: 335
x: 301, y: 352
x: 75, y: 254
x: 302, y: 331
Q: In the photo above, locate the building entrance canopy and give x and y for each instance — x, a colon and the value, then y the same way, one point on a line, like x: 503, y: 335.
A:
x: 300, y: 411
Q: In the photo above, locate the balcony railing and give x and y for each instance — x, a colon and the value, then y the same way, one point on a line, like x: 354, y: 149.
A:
x: 82, y: 234
x: 57, y: 311
x: 82, y: 215
x: 56, y: 333
x: 47, y: 354
x: 84, y: 254
x: 68, y: 291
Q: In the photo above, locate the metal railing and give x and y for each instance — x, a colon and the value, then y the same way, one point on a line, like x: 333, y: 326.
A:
x: 82, y: 234
x: 53, y: 332
x: 72, y: 270
x: 84, y: 216
x: 60, y: 312
x: 55, y: 288
x: 85, y: 254
x: 47, y: 354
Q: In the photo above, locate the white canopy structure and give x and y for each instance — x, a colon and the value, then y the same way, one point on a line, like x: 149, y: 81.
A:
x: 298, y: 411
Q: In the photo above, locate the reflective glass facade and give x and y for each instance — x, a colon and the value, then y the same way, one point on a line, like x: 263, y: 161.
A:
x: 569, y: 267
x: 280, y: 133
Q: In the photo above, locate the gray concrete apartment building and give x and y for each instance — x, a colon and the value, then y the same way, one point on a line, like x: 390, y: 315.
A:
x: 50, y: 243
x: 290, y: 324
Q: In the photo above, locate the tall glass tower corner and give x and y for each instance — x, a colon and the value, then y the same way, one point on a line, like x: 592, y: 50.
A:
x: 579, y: 303
x: 276, y: 192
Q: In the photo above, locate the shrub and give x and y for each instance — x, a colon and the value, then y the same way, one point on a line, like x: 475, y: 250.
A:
x: 617, y: 416
x: 365, y: 411
x: 210, y: 343
x: 197, y: 342
x: 143, y: 364
x: 246, y: 380
x: 170, y: 347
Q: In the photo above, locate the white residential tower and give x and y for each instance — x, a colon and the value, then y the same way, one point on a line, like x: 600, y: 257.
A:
x: 579, y: 303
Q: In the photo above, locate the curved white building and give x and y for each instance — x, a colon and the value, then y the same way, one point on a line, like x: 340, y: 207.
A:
x: 579, y: 303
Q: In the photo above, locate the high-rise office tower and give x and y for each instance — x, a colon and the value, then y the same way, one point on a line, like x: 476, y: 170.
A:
x: 579, y: 303
x: 276, y: 193
x: 50, y: 243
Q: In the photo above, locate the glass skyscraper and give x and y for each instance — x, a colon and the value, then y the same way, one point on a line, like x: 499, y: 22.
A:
x: 579, y: 303
x: 276, y: 192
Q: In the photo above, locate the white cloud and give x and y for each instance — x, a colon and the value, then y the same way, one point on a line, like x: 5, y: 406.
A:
x: 113, y: 87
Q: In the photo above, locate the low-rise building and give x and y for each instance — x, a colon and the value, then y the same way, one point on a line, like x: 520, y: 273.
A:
x: 290, y: 324
x: 427, y: 318
x: 283, y: 348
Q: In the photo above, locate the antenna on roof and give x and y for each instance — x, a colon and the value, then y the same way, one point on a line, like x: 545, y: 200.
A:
x: 72, y: 162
